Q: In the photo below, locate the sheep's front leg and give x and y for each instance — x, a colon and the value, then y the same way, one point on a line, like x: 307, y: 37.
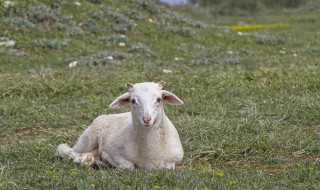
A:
x: 169, y: 166
x: 117, y: 161
x: 64, y: 151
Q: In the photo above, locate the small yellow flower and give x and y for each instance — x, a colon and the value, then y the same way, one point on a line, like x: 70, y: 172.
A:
x: 73, y: 172
x: 232, y: 182
x: 52, y: 172
x: 311, y: 169
x: 92, y: 185
x: 220, y: 174
x: 92, y: 96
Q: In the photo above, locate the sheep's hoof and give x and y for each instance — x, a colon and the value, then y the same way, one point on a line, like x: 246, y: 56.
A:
x: 63, y: 151
x: 88, y: 159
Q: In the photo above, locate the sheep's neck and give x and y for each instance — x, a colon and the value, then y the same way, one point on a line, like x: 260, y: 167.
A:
x: 151, y: 138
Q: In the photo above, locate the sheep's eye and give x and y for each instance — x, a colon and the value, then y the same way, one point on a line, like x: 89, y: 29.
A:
x: 158, y: 100
x: 133, y: 101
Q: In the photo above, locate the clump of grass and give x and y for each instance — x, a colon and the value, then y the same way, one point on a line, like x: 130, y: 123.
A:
x: 150, y: 7
x: 142, y: 49
x: 216, y: 56
x: 76, y: 31
x: 122, y: 23
x: 115, y: 39
x: 268, y: 40
x: 40, y: 13
x: 174, y: 17
x: 182, y: 31
x: 99, y: 15
x: 165, y: 16
x: 134, y: 14
x: 51, y: 43
x: 92, y: 26
x: 101, y: 58
x: 95, y: 1
x: 19, y: 24
x: 316, y: 50
x: 12, y: 52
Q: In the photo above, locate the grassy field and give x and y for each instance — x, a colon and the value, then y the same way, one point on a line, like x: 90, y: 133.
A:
x: 251, y: 118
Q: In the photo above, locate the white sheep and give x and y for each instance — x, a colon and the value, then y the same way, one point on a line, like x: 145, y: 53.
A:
x: 144, y: 138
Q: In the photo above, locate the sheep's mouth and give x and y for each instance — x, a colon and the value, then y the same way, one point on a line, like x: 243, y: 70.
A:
x: 147, y: 125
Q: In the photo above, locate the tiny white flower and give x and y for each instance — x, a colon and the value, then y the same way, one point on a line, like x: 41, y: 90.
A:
x: 167, y: 71
x: 150, y: 20
x: 295, y: 55
x: 177, y: 58
x: 122, y: 44
x: 230, y: 52
x: 73, y: 64
x: 282, y: 52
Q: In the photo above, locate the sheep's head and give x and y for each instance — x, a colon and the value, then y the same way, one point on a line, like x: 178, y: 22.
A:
x: 146, y: 99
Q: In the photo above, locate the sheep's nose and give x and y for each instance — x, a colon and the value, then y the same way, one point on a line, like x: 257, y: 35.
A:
x: 147, y: 119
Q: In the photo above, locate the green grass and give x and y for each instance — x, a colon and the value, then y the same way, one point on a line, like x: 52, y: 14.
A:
x: 251, y: 116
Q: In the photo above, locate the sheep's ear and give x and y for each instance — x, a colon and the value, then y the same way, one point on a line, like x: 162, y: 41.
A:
x: 121, y: 101
x: 170, y: 98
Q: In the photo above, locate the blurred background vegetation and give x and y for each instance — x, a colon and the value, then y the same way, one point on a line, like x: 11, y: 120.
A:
x: 243, y: 7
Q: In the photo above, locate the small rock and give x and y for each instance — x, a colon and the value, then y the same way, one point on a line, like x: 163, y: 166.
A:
x: 8, y: 43
x: 73, y: 64
x: 110, y: 58
x: 240, y: 33
x: 122, y: 44
x: 8, y: 4
x: 77, y: 3
x: 167, y: 71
